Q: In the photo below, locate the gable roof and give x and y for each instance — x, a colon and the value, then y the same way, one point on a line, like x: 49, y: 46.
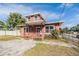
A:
x: 35, y: 14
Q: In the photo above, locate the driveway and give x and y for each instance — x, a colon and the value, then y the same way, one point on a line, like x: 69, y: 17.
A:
x: 15, y: 47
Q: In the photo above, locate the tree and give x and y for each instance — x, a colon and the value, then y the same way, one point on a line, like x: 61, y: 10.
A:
x: 15, y: 19
x: 65, y: 30
x: 2, y: 24
x: 73, y: 28
x: 77, y: 28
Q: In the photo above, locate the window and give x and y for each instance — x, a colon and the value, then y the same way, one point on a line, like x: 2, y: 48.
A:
x: 35, y: 17
x: 28, y: 19
x: 38, y: 29
x: 51, y: 28
x: 26, y: 29
x: 48, y: 29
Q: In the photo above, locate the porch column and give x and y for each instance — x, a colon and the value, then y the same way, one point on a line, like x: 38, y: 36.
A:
x: 42, y: 31
x: 56, y: 27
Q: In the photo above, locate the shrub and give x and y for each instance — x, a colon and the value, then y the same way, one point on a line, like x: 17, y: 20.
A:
x: 55, y: 34
x: 48, y: 36
x: 38, y: 39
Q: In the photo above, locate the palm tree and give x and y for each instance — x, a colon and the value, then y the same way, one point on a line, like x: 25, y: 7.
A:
x: 15, y: 19
x: 2, y: 24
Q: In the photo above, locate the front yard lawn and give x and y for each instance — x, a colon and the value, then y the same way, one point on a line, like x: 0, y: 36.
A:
x: 7, y: 37
x: 47, y: 50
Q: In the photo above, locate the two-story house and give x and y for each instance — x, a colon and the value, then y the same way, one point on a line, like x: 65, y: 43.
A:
x: 35, y: 26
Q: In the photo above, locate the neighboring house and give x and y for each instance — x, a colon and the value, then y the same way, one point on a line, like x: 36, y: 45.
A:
x: 36, y: 27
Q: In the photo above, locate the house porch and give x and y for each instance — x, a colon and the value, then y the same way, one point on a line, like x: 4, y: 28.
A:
x: 35, y: 31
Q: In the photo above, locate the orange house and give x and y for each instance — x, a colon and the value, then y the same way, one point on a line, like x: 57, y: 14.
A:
x: 35, y: 26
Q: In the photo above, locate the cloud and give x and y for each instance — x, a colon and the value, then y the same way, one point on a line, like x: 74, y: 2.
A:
x: 64, y: 8
x: 53, y: 15
x: 50, y: 15
x: 68, y: 5
x: 7, y: 8
x: 68, y: 17
x: 76, y: 17
x: 70, y: 22
x: 69, y: 25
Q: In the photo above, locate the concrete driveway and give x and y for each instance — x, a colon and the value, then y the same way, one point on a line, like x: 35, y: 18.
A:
x: 15, y: 47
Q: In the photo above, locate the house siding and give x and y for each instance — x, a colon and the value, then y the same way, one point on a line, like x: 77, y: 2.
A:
x: 32, y: 28
x: 32, y: 31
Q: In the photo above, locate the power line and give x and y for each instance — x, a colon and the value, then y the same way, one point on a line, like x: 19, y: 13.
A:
x: 61, y: 14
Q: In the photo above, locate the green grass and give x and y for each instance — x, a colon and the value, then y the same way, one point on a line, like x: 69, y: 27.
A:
x: 50, y: 38
x: 7, y: 37
x: 57, y: 40
x: 47, y: 50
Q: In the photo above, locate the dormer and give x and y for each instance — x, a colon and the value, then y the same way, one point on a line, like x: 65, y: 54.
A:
x: 34, y: 18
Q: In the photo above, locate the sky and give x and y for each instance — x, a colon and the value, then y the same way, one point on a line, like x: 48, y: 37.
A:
x: 50, y: 11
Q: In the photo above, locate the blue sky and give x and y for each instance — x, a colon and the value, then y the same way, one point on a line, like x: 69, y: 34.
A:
x: 49, y: 11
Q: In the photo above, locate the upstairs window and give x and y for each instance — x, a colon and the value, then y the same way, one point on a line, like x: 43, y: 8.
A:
x: 28, y: 19
x: 35, y: 17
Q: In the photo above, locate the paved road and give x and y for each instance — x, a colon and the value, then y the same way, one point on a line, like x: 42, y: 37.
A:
x: 15, y: 47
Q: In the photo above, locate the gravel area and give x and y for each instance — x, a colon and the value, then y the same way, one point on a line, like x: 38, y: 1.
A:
x: 15, y: 47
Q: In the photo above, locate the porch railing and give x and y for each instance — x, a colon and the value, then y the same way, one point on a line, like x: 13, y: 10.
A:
x: 38, y: 35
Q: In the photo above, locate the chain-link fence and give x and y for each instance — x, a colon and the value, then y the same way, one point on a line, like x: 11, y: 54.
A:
x: 71, y: 38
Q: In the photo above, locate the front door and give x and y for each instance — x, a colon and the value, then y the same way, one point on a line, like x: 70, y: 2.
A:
x: 37, y: 29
